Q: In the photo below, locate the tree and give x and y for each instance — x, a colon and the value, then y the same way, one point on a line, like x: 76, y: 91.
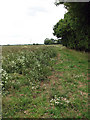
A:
x: 48, y: 41
x: 74, y: 28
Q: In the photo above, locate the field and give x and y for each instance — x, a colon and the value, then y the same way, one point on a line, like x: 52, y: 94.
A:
x: 44, y: 82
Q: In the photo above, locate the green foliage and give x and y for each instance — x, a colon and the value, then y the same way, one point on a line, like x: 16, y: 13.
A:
x: 48, y: 41
x: 59, y: 41
x: 51, y: 41
x: 74, y: 28
x: 63, y: 94
x: 35, y: 64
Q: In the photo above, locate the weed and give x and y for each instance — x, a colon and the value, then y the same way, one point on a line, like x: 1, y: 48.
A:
x: 44, y: 82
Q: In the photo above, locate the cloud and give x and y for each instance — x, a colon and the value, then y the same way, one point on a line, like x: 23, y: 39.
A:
x: 25, y: 21
x: 32, y: 11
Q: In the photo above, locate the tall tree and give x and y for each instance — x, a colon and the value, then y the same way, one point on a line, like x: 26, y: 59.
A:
x: 74, y: 28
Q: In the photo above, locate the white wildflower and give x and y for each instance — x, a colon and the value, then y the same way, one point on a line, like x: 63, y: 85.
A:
x: 64, y: 99
x: 6, y: 78
x: 32, y: 87
x: 57, y: 102
x: 67, y: 101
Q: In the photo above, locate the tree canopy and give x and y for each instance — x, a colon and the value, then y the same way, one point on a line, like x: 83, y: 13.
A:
x: 74, y: 28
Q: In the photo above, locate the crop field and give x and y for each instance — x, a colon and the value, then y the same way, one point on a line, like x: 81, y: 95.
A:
x: 44, y: 81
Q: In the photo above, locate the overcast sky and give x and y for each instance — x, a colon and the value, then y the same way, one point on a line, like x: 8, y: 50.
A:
x: 28, y: 21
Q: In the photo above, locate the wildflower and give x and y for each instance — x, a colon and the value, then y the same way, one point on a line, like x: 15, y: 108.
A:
x: 57, y: 99
x: 64, y: 99
x: 1, y: 84
x: 6, y: 78
x: 51, y: 100
x: 38, y: 65
x: 67, y: 101
x: 32, y: 87
x: 55, y: 96
x: 5, y: 81
x: 56, y: 102
x: 61, y: 103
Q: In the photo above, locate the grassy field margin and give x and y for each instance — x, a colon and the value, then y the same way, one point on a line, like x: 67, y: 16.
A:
x: 61, y: 93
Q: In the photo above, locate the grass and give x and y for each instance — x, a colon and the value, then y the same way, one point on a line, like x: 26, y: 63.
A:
x: 44, y: 82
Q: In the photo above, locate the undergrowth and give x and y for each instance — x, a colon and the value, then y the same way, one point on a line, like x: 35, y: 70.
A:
x: 34, y: 64
x: 44, y: 82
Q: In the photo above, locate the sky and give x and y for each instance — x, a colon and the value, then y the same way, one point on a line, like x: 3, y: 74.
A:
x: 28, y: 21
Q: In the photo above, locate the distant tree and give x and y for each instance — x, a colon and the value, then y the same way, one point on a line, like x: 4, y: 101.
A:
x: 33, y: 43
x: 37, y: 44
x: 59, y: 41
x: 52, y: 40
x: 48, y: 41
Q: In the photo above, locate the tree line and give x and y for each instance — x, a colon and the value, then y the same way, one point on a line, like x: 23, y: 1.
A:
x: 49, y: 41
x: 74, y: 29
